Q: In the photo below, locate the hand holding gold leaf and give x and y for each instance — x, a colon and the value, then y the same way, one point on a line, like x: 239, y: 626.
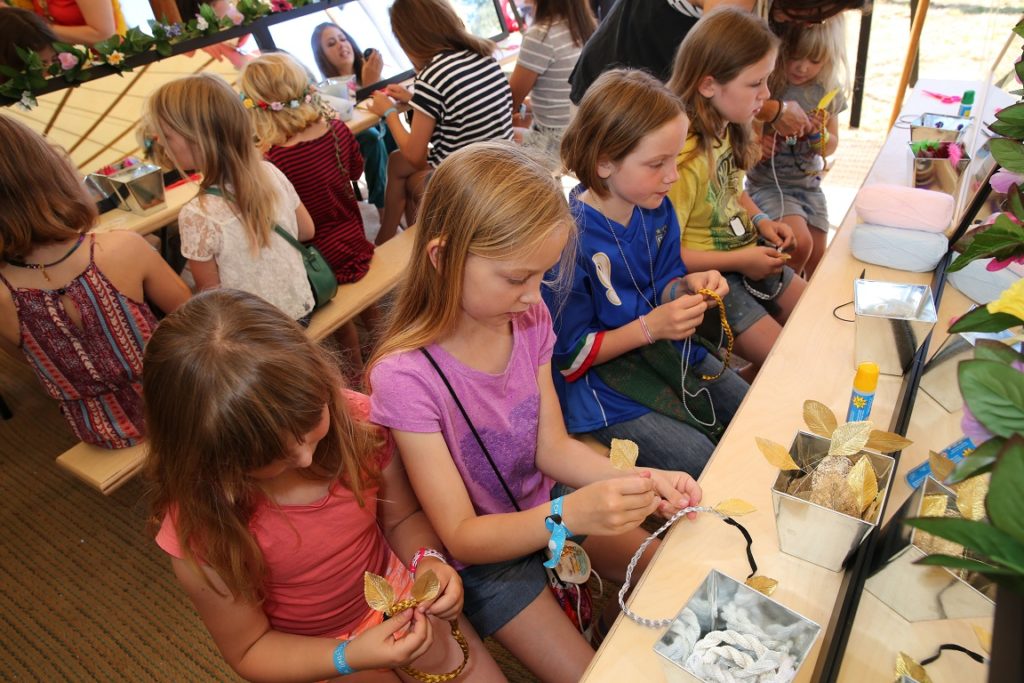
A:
x: 819, y: 418
x: 379, y: 594
x: 776, y: 455
x: 426, y: 587
x: 850, y: 438
x: 624, y: 454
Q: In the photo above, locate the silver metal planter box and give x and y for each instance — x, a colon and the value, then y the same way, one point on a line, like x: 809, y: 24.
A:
x: 939, y: 175
x: 139, y: 189
x: 813, y: 532
x: 892, y: 319
x: 941, y: 127
x: 712, y: 607
x: 919, y: 592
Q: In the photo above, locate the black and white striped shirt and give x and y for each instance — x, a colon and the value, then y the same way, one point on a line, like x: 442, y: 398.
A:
x: 468, y: 97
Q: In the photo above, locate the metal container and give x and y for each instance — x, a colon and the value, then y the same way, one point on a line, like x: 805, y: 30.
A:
x: 939, y: 175
x: 813, y: 532
x: 138, y: 189
x: 941, y: 127
x: 892, y: 319
x: 939, y: 377
x: 722, y: 603
x: 919, y: 592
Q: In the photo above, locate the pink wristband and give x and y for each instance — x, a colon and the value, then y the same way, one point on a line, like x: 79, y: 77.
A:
x: 647, y: 330
x: 425, y: 552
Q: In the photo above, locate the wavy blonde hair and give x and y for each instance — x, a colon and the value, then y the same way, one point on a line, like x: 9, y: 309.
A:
x: 204, y: 110
x: 424, y: 28
x: 278, y: 77
x: 824, y: 43
x: 722, y: 44
x: 489, y: 199
x: 227, y: 379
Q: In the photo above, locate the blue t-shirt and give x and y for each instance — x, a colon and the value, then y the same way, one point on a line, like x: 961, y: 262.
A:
x: 606, y: 293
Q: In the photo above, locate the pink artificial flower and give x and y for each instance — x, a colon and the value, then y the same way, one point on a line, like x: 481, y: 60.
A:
x: 67, y: 60
x: 955, y: 153
x: 276, y: 106
x: 281, y: 5
x: 1002, y: 179
x: 973, y: 429
x: 996, y: 264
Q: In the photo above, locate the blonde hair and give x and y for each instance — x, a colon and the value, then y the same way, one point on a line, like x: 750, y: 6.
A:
x: 621, y: 108
x: 204, y: 110
x: 42, y: 198
x: 278, y: 77
x: 489, y: 199
x: 227, y: 380
x: 425, y: 28
x: 722, y: 44
x: 823, y: 43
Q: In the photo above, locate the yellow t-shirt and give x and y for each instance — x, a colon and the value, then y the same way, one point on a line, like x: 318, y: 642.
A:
x: 705, y: 210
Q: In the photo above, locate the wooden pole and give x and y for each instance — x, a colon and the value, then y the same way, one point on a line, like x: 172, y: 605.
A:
x: 908, y: 63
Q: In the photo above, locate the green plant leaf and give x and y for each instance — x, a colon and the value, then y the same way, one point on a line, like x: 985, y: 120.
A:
x: 1011, y: 114
x: 990, y: 349
x: 954, y: 562
x: 994, y: 395
x: 1006, y: 129
x: 1009, y: 153
x: 1002, y: 239
x: 1015, y: 200
x: 979, y: 537
x: 1005, y: 502
x: 1019, y: 28
x: 980, y: 320
x: 982, y: 460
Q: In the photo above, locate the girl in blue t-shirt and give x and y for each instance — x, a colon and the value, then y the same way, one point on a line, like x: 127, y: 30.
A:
x: 463, y: 380
x: 626, y: 331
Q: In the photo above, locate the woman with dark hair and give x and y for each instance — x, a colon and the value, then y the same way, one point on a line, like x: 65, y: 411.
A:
x: 337, y: 54
x: 24, y: 29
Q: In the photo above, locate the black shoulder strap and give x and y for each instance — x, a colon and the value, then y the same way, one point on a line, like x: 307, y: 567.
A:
x: 472, y: 428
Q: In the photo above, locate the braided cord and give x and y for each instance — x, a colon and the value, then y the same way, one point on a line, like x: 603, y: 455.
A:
x: 456, y: 634
x: 730, y: 340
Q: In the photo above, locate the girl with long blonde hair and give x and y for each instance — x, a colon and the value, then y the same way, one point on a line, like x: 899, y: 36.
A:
x: 198, y: 123
x: 273, y: 495
x: 463, y: 380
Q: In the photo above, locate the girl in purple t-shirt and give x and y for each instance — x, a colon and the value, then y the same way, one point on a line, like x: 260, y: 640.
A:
x: 470, y: 317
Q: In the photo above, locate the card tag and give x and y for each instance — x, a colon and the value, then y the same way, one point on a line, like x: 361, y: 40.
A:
x: 574, y: 565
x: 737, y: 226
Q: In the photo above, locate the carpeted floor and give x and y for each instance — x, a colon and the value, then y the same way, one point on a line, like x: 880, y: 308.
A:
x: 85, y: 595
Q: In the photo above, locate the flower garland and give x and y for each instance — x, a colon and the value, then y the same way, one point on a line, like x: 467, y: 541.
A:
x: 308, y: 97
x: 73, y: 62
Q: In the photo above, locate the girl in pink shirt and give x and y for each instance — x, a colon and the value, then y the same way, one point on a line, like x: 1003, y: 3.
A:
x: 273, y: 496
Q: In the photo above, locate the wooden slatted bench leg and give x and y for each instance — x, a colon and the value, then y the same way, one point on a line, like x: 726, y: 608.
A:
x: 104, y: 470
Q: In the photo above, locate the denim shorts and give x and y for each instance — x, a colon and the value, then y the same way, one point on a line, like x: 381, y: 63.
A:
x: 808, y: 203
x: 743, y: 309
x: 494, y: 594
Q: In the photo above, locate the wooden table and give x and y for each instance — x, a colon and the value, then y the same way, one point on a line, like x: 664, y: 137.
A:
x: 813, y: 359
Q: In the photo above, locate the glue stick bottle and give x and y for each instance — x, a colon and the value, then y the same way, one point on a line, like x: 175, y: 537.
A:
x: 864, y: 384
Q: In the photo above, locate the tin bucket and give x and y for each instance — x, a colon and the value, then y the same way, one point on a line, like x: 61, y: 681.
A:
x: 813, y: 532
x: 892, y: 320
x: 941, y: 127
x: 940, y: 175
x: 722, y: 603
x: 138, y: 189
x: 919, y: 592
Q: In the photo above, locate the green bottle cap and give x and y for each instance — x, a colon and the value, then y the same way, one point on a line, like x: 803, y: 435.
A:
x: 968, y: 97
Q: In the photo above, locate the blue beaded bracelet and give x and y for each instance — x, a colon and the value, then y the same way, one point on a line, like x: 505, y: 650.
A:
x: 340, y: 663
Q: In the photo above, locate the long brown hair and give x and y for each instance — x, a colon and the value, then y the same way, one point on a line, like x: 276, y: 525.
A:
x: 424, y: 28
x: 723, y: 43
x: 489, y: 199
x: 204, y: 110
x: 575, y: 13
x: 227, y: 379
x: 42, y: 198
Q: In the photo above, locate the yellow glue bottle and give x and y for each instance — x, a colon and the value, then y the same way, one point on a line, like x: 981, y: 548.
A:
x: 864, y: 384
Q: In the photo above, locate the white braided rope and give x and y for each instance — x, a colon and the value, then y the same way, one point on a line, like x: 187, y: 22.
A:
x: 644, y: 621
x: 725, y: 657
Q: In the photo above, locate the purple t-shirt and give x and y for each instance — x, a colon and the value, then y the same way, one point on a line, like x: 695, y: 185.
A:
x: 408, y: 395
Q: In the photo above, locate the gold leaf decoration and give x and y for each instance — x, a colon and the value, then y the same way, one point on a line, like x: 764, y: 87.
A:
x: 378, y: 592
x: 734, y: 507
x: 934, y: 505
x: 970, y: 497
x: 863, y: 483
x: 624, y: 454
x: 886, y: 442
x: 830, y: 488
x: 762, y: 584
x: 426, y: 586
x: 776, y: 455
x: 849, y: 438
x: 984, y: 637
x: 905, y: 666
x: 819, y: 418
x: 941, y: 465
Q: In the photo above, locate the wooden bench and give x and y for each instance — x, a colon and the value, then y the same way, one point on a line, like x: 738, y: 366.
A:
x: 389, y: 263
x: 104, y: 470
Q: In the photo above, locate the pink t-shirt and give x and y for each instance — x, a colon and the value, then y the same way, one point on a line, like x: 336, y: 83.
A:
x: 316, y: 554
x: 410, y: 396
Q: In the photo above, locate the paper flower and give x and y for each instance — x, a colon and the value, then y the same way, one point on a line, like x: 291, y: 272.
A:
x: 67, y: 60
x: 201, y: 23
x: 973, y: 429
x: 1011, y: 301
x: 1002, y: 179
x: 115, y: 57
x: 996, y: 264
x: 174, y: 30
x: 27, y: 101
x: 281, y: 5
x: 248, y: 103
x: 294, y: 104
x: 276, y: 106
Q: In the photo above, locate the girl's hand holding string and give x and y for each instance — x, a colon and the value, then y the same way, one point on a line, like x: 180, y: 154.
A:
x: 676, y: 489
x: 380, y: 103
x: 612, y: 506
x: 448, y: 602
x: 777, y: 233
x: 398, y: 93
x: 760, y: 262
x: 678, y: 318
x: 379, y: 648
x: 708, y: 279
